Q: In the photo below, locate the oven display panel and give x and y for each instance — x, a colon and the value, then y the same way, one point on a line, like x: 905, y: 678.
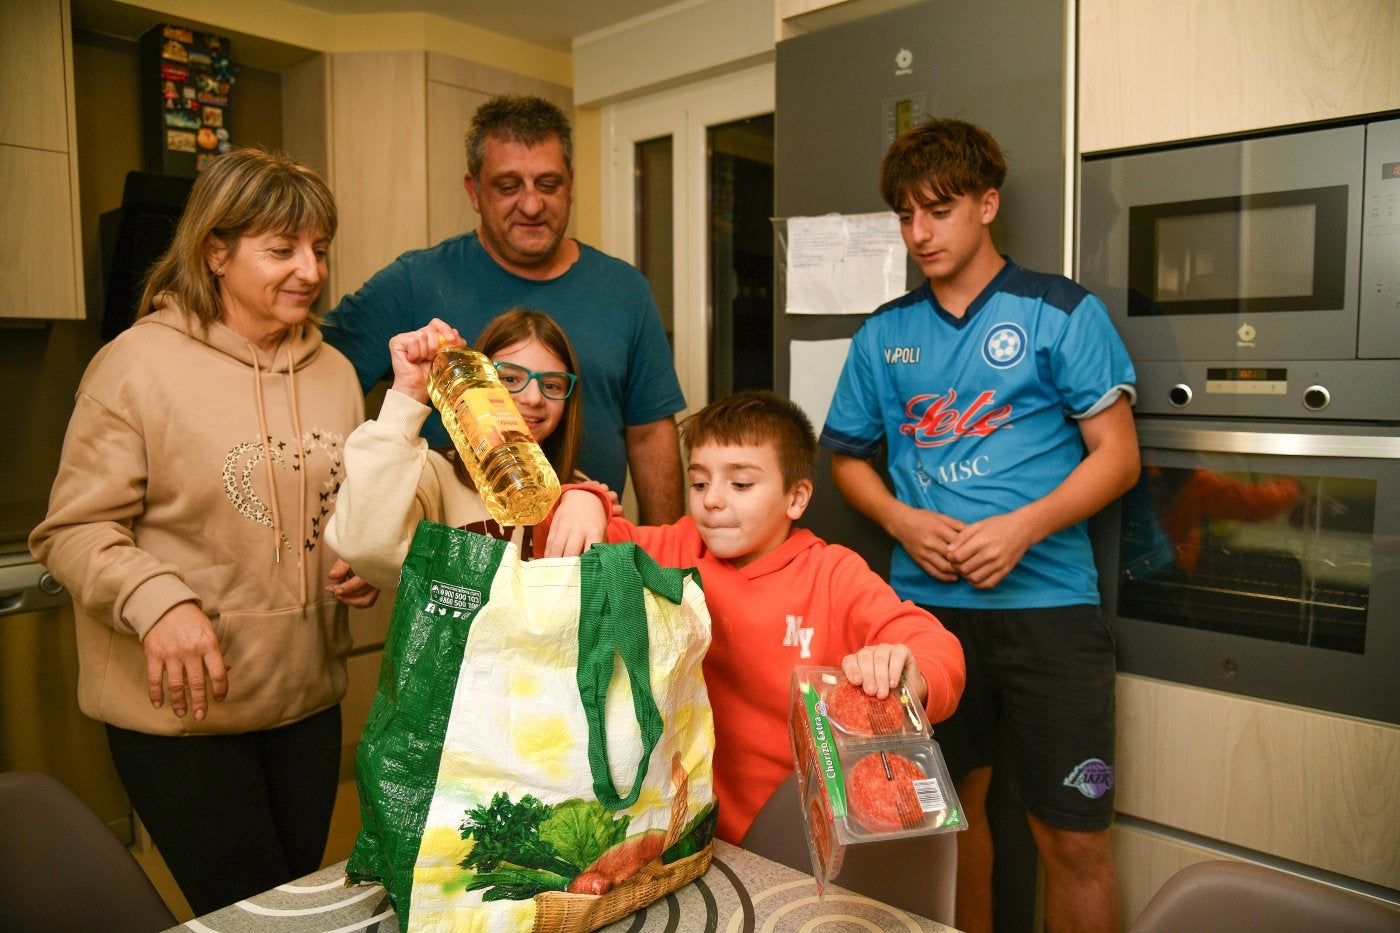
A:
x: 1240, y: 381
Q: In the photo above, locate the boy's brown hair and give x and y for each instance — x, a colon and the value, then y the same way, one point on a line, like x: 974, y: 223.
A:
x: 755, y: 419
x: 942, y: 158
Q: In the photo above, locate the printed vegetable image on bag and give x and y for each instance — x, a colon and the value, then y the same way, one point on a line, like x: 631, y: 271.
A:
x: 538, y: 754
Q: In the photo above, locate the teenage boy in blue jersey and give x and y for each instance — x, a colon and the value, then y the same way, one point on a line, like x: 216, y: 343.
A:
x: 1002, y: 397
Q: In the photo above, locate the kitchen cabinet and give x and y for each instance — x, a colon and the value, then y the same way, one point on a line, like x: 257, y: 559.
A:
x: 1153, y: 72
x: 388, y: 131
x: 41, y: 265
x: 1204, y: 774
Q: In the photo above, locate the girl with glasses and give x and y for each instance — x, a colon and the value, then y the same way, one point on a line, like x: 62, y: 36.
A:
x: 393, y: 479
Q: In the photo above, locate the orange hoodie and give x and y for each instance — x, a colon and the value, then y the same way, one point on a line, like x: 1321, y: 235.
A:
x: 166, y: 492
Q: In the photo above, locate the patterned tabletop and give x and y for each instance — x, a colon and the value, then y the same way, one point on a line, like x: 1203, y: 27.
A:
x: 740, y: 893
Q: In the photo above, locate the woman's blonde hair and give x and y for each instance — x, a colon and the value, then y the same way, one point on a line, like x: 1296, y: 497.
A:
x: 244, y: 192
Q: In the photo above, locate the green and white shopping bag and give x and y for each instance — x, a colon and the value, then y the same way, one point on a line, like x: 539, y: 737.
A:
x: 538, y: 754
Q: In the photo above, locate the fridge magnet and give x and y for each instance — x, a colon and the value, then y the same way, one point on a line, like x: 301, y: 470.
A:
x: 178, y: 34
x: 219, y: 62
x: 207, y: 139
x: 179, y: 140
x: 203, y: 160
x: 182, y: 119
x: 212, y: 116
x: 175, y: 52
x: 211, y: 90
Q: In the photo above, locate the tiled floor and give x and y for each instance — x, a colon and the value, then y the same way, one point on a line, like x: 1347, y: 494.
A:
x: 345, y: 825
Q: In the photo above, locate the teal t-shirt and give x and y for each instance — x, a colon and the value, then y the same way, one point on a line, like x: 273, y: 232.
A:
x: 604, y: 305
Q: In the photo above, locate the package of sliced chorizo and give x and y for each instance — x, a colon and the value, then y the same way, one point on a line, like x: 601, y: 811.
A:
x: 867, y: 768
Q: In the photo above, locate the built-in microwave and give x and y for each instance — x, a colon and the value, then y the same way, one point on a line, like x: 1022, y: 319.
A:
x: 1253, y: 277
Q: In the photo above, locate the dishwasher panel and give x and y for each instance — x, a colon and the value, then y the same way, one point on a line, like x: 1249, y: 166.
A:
x: 41, y: 727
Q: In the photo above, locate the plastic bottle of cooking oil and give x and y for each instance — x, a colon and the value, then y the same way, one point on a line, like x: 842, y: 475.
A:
x: 511, y: 473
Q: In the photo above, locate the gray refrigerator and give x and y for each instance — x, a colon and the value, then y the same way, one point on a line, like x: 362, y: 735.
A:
x: 843, y: 93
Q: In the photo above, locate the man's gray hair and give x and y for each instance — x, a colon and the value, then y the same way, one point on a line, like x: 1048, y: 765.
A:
x: 519, y: 119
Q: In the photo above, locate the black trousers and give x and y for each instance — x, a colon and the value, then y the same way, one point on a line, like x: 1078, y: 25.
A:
x: 233, y: 815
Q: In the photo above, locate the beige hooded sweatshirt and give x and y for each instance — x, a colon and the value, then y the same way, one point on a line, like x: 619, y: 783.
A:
x: 194, y: 470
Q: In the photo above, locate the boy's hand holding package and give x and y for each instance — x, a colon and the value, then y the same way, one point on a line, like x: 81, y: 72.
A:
x: 880, y: 669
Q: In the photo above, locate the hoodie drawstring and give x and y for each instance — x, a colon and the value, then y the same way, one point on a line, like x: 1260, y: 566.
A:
x: 305, y: 477
x: 271, y: 476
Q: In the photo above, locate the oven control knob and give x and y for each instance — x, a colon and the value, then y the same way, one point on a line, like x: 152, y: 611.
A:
x: 1180, y: 395
x: 1316, y: 398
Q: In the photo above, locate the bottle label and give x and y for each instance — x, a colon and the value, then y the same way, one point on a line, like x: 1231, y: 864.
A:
x: 493, y: 416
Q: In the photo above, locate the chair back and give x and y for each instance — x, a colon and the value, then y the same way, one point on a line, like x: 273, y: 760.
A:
x: 62, y: 868
x: 1220, y: 896
x: 917, y: 874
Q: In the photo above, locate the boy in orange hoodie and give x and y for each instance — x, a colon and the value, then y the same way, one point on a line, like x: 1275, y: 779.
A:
x: 778, y: 596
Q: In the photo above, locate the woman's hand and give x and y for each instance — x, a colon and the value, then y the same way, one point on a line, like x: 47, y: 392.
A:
x: 180, y: 650
x: 411, y: 356
x: 577, y: 523
x: 353, y: 591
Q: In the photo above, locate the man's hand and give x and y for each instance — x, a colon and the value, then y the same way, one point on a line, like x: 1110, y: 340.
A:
x: 180, y: 649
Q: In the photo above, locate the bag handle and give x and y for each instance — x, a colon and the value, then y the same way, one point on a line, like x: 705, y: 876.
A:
x: 612, y: 623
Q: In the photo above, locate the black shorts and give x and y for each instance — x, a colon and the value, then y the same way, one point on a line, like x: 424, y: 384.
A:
x: 1046, y: 678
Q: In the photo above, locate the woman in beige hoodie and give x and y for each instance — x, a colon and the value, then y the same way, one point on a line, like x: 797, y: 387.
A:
x: 198, y: 474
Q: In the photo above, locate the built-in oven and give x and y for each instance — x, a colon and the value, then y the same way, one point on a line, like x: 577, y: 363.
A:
x: 1262, y: 559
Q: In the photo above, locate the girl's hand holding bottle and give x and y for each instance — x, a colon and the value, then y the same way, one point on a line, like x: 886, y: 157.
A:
x: 411, y: 356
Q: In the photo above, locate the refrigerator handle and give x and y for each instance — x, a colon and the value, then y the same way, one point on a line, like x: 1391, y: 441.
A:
x: 27, y: 586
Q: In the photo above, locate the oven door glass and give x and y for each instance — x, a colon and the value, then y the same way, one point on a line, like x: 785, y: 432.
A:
x: 1280, y: 556
x: 1262, y: 559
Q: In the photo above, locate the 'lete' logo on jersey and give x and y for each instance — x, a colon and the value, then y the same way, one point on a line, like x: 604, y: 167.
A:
x: 936, y: 422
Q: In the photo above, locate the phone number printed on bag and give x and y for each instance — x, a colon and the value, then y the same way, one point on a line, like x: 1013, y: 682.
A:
x: 447, y: 597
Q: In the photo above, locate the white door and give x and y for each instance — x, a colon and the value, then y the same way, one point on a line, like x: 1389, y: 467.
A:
x: 675, y: 123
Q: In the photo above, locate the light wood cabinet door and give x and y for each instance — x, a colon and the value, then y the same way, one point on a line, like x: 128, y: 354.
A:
x: 38, y: 264
x: 40, y: 238
x: 1155, y: 72
x: 1313, y: 787
x: 33, y: 92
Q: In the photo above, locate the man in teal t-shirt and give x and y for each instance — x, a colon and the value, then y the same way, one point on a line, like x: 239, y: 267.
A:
x: 520, y: 180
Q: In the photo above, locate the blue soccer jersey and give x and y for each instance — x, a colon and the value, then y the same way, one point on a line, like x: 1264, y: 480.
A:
x: 979, y: 417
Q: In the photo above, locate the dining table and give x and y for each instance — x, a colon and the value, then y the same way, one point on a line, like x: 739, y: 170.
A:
x: 739, y: 893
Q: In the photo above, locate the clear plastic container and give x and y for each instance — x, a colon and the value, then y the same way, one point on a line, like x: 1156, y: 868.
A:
x: 867, y: 770
x: 512, y: 474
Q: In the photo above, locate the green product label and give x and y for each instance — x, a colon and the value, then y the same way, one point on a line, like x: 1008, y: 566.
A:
x: 824, y: 747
